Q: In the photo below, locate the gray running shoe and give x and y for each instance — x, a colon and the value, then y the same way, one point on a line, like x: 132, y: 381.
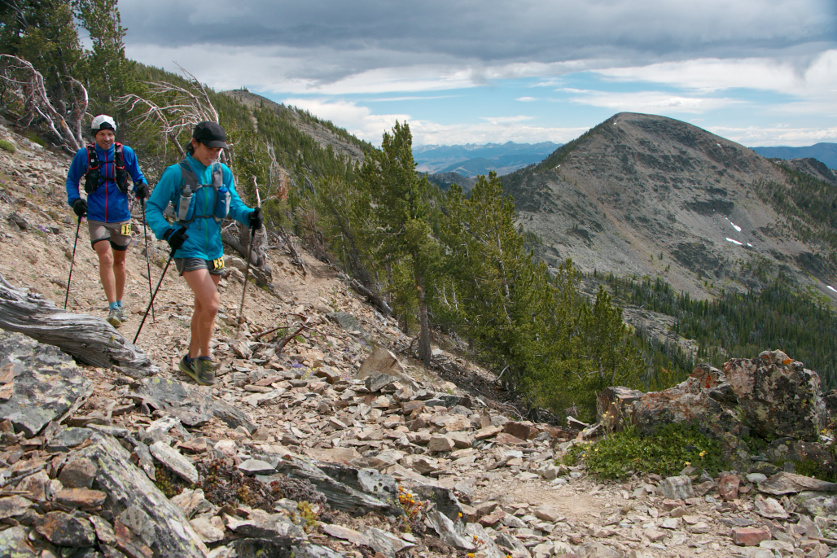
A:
x: 114, y: 317
x: 120, y: 313
x: 200, y: 369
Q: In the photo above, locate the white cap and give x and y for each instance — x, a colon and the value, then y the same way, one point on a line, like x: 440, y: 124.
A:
x: 103, y: 122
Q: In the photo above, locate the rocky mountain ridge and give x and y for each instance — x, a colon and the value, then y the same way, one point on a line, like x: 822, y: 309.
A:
x: 323, y: 133
x: 312, y: 443
x: 648, y: 196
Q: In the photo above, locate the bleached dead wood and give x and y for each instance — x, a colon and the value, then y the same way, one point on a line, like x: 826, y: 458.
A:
x: 172, y: 108
x: 20, y: 76
x: 89, y: 339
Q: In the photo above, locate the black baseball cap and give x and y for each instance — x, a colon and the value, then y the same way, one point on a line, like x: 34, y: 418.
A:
x: 211, y: 134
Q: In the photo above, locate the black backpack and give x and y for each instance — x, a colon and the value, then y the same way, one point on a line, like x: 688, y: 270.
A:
x: 93, y: 179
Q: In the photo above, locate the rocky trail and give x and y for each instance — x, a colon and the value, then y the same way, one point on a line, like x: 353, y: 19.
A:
x: 334, y: 442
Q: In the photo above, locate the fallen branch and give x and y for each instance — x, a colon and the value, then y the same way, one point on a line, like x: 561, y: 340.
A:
x: 90, y: 340
x: 296, y: 259
x: 302, y: 327
x: 376, y: 299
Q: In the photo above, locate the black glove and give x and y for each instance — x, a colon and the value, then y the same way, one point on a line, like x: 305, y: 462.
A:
x: 175, y: 238
x: 80, y: 207
x: 142, y: 191
x: 256, y: 219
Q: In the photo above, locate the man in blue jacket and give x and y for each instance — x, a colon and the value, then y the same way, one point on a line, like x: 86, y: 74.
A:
x: 104, y: 166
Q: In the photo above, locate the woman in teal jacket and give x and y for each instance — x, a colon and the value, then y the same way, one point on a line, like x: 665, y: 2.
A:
x: 202, y: 192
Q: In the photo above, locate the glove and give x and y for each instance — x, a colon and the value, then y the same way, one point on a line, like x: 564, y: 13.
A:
x: 80, y: 207
x: 142, y: 191
x: 175, y: 238
x: 256, y: 219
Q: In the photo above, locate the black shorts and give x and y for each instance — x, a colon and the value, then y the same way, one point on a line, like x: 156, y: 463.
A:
x: 215, y: 267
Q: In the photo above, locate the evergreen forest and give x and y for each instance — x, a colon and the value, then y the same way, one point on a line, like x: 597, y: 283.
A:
x: 452, y: 268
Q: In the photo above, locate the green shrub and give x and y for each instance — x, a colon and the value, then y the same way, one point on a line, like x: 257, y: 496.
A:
x: 666, y: 453
x: 6, y: 145
x: 34, y: 138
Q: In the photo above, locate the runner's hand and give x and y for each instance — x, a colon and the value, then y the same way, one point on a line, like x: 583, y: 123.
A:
x: 256, y: 219
x: 175, y: 238
x: 80, y: 207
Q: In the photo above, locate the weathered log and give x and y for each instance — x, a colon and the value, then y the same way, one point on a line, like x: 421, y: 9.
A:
x: 373, y: 297
x: 296, y: 259
x: 89, y: 339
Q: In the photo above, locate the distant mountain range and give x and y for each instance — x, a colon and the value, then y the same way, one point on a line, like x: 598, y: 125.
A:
x: 471, y: 160
x: 823, y: 152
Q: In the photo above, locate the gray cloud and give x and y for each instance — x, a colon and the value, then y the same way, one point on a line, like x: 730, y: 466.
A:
x: 336, y: 39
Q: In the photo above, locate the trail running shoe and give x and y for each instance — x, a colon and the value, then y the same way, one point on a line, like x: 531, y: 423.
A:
x: 204, y: 370
x: 187, y: 366
x: 120, y: 313
x: 114, y: 317
x: 200, y: 369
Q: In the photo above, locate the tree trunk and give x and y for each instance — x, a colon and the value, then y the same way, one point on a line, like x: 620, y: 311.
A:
x: 424, y: 322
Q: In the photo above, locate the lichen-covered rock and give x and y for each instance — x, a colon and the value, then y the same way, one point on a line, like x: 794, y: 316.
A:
x: 137, y: 503
x: 770, y: 396
x: 38, y: 383
x: 778, y: 396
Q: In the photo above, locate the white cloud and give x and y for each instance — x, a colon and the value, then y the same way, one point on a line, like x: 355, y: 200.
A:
x: 815, y: 76
x: 755, y: 136
x: 357, y: 120
x: 364, y: 124
x: 653, y: 102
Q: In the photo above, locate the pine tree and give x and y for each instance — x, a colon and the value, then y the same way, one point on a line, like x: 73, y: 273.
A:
x: 108, y: 71
x: 400, y: 200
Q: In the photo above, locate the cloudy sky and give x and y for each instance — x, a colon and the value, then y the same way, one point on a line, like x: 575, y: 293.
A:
x: 759, y: 72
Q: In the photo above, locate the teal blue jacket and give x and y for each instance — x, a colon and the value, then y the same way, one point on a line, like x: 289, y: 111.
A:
x: 203, y: 234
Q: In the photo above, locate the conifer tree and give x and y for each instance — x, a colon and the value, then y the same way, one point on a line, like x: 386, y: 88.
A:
x: 107, y: 68
x: 400, y: 199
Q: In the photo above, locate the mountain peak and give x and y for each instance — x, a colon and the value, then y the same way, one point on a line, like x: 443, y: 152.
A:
x: 649, y: 196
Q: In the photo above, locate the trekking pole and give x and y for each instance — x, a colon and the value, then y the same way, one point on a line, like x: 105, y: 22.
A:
x: 246, y: 274
x: 147, y: 262
x: 72, y: 261
x: 171, y: 257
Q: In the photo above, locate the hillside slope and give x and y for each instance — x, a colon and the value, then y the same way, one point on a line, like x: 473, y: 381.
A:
x: 324, y: 133
x: 643, y: 195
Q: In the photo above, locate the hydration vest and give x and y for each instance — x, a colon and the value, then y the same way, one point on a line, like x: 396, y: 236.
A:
x: 93, y: 178
x: 185, y: 210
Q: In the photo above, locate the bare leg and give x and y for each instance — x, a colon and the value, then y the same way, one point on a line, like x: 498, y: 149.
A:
x: 106, y: 274
x: 119, y: 272
x: 207, y: 301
